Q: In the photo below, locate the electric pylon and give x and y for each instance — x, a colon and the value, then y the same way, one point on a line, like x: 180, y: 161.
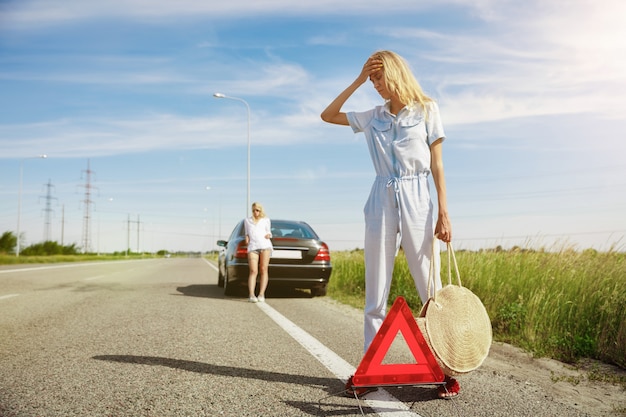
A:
x: 87, y: 202
x: 48, y: 212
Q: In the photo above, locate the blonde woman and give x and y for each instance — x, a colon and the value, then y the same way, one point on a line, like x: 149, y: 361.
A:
x: 404, y: 136
x: 258, y: 234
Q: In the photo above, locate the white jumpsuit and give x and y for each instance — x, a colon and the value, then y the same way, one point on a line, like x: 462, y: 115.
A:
x: 399, y: 210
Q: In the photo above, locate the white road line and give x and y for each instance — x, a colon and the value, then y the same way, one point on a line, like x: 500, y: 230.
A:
x: 72, y: 265
x: 94, y: 278
x: 37, y: 268
x: 381, y: 401
x: 3, y: 297
x: 210, y: 264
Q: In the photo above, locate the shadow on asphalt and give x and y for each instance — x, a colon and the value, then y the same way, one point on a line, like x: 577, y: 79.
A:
x: 213, y: 291
x: 330, y: 385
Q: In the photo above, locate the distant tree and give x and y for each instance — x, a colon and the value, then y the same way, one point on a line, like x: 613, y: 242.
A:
x: 49, y: 248
x: 70, y: 249
x: 8, y: 242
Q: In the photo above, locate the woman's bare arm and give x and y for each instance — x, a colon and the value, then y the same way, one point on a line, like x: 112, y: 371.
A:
x: 443, y: 228
x: 333, y: 113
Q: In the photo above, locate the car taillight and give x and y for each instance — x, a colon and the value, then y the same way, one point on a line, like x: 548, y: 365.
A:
x: 242, y: 251
x: 323, y: 254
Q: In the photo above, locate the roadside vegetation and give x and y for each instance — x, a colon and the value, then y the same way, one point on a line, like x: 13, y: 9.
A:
x: 565, y: 305
x: 53, y: 252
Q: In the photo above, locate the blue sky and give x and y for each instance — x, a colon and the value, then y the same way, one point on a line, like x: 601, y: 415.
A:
x: 532, y: 97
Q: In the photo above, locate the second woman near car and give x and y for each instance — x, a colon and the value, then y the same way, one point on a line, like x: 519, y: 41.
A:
x: 258, y: 234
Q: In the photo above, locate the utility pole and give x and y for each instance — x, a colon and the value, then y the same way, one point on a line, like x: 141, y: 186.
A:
x: 128, y: 233
x: 138, y: 224
x: 48, y: 212
x: 62, y: 223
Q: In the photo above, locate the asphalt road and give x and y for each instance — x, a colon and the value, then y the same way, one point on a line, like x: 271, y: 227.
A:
x: 158, y: 338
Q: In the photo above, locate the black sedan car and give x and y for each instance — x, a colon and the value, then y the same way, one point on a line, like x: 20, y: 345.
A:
x: 299, y: 259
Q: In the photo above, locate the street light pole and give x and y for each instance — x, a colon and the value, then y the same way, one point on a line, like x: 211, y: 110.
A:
x: 220, y: 95
x: 19, y: 200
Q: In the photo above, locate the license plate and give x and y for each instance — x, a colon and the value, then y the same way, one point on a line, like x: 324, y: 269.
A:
x: 287, y: 254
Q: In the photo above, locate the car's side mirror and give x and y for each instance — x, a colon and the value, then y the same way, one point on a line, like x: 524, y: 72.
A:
x: 222, y: 243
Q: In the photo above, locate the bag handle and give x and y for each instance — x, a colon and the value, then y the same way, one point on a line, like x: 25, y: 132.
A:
x: 456, y: 266
x: 431, y: 272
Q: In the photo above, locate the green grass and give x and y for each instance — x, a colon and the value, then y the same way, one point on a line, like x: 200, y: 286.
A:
x: 564, y: 305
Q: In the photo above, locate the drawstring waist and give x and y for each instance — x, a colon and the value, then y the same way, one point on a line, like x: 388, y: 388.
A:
x: 395, y: 183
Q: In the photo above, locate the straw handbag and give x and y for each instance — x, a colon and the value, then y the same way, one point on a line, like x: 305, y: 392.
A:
x: 455, y: 324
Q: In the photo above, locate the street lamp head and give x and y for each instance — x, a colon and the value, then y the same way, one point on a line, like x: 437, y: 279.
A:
x: 219, y: 95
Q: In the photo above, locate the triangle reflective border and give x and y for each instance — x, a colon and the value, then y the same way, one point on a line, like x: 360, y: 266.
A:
x: 372, y: 372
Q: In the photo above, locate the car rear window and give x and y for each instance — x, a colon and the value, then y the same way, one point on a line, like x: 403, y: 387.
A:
x: 295, y: 230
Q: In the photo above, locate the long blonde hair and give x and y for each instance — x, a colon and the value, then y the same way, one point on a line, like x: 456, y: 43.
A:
x: 401, y: 81
x: 261, y: 209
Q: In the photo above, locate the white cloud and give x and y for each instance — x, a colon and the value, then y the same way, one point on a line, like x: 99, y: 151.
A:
x: 547, y: 59
x: 33, y: 13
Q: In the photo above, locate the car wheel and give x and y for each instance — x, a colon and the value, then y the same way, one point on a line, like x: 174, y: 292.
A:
x: 220, y: 278
x: 229, y: 290
x: 318, y: 291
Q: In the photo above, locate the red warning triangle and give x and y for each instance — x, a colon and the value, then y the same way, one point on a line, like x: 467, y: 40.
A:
x: 371, y: 370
